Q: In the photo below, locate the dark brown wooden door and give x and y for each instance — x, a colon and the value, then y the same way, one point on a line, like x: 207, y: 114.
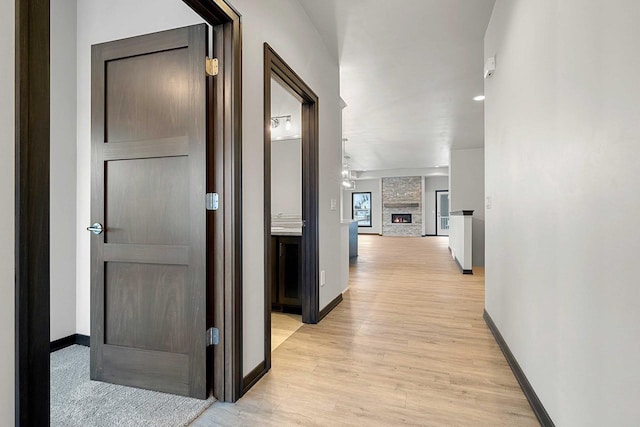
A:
x: 148, y: 268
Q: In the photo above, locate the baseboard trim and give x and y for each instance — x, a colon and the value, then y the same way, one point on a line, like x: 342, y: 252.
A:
x: 65, y: 342
x: 62, y: 343
x: 529, y: 392
x: 82, y: 340
x: 323, y: 313
x: 253, y: 377
x: 460, y: 266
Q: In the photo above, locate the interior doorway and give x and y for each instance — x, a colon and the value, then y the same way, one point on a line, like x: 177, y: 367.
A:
x: 286, y: 213
x: 291, y: 201
x: 32, y: 393
x: 442, y: 212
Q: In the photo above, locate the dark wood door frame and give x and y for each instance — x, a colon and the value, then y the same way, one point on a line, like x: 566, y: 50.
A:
x: 32, y: 242
x: 276, y: 67
x: 32, y: 214
x: 226, y: 180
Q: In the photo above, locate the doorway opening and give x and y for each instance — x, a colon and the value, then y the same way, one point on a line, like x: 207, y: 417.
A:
x: 291, y: 202
x: 442, y: 212
x: 286, y: 213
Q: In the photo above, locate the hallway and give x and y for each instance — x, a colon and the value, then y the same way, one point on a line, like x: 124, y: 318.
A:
x: 408, y: 345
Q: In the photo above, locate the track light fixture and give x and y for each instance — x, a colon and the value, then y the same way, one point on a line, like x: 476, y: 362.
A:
x: 347, y: 181
x: 275, y: 122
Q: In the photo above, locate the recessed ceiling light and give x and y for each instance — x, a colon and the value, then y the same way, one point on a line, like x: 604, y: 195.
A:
x: 478, y: 98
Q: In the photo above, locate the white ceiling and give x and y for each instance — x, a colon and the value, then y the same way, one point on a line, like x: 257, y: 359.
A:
x: 408, y: 72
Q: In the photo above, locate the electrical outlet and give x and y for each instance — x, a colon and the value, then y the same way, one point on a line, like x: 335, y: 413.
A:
x: 334, y: 204
x: 323, y: 278
x: 489, y: 204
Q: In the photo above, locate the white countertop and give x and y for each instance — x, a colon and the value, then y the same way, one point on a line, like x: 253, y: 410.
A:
x: 286, y: 225
x: 286, y: 231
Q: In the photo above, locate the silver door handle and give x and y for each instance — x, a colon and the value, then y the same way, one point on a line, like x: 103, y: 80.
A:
x: 96, y: 229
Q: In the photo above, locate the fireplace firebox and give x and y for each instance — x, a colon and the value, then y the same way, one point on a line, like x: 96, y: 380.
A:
x: 401, y: 219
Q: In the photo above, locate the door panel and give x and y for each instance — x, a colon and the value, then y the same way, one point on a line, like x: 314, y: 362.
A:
x: 148, y: 271
x: 145, y: 306
x: 147, y: 96
x: 148, y: 201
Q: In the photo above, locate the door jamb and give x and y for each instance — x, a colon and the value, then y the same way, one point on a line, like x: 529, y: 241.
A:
x: 274, y: 65
x: 32, y: 241
x: 32, y: 311
x: 227, y: 180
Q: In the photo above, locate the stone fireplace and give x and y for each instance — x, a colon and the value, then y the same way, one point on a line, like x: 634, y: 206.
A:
x: 402, y: 206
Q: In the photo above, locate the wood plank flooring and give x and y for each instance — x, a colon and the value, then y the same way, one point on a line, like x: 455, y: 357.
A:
x: 407, y: 346
x: 283, y: 325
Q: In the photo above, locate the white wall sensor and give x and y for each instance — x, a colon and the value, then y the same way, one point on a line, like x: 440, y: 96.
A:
x: 489, y: 67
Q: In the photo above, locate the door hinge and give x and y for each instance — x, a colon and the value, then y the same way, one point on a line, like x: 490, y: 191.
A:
x: 211, y: 66
x: 211, y: 201
x: 213, y: 336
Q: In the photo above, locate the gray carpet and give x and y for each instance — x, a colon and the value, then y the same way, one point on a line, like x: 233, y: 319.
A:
x: 78, y: 401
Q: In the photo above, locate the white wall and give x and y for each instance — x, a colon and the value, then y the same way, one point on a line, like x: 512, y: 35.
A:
x: 287, y: 28
x: 562, y: 162
x: 286, y: 177
x: 63, y: 171
x: 431, y: 185
x: 466, y: 191
x: 365, y: 185
x: 7, y: 196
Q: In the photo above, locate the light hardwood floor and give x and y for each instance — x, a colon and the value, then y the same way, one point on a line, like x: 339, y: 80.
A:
x: 407, y: 346
x: 283, y: 325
